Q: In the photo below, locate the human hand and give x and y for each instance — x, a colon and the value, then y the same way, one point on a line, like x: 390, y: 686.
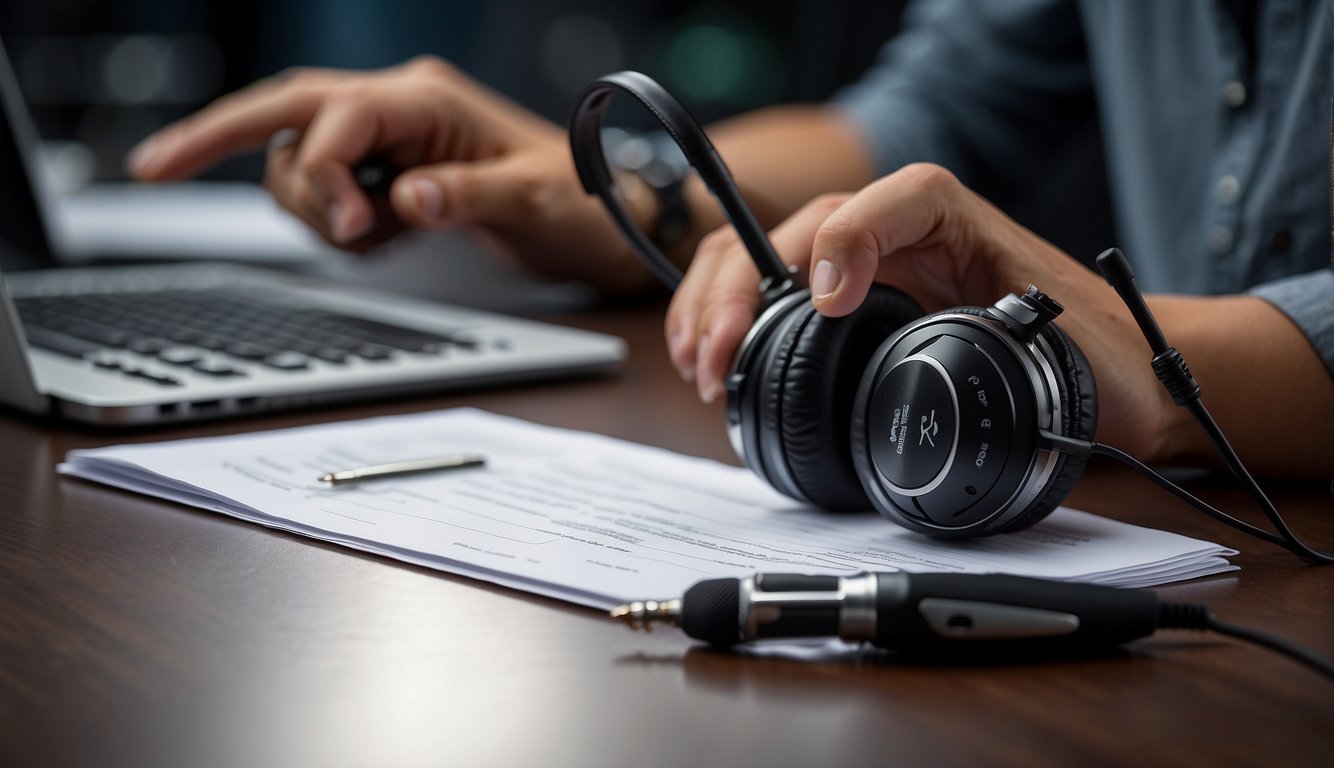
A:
x: 921, y: 230
x: 472, y: 159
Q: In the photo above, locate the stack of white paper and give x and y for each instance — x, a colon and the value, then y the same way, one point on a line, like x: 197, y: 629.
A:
x: 590, y: 519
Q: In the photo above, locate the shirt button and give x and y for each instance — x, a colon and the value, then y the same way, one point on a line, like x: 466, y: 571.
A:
x: 1234, y: 93
x: 1227, y: 189
x: 1280, y: 241
x: 1220, y: 240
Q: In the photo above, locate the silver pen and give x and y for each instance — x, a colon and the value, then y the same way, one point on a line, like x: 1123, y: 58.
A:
x: 400, y: 468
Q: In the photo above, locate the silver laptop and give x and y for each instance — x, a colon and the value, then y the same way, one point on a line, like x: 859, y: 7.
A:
x: 175, y: 342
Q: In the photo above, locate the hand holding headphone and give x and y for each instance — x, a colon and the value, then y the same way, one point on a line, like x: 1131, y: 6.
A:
x: 965, y: 422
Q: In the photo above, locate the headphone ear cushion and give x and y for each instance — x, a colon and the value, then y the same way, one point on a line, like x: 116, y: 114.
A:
x: 1079, y: 416
x: 808, y: 391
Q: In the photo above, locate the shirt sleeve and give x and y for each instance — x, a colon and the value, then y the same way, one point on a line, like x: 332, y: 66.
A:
x: 1308, y: 300
x: 983, y: 88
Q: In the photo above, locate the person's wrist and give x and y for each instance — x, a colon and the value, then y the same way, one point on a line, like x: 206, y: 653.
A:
x: 638, y: 199
x: 651, y: 175
x: 1178, y: 438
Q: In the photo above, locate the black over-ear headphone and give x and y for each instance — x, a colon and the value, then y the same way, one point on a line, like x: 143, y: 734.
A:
x: 965, y: 422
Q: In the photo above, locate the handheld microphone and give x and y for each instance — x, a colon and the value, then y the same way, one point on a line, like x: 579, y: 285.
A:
x: 937, y: 614
x: 905, y: 611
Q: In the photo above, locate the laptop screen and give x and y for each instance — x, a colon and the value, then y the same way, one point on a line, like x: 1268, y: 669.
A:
x: 25, y: 241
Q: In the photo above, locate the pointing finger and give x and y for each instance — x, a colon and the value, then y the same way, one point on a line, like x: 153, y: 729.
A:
x: 239, y: 122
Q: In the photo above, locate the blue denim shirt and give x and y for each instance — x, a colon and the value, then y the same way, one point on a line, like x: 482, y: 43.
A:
x: 1218, y: 147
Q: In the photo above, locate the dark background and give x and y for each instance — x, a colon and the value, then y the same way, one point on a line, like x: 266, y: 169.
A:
x: 101, y: 75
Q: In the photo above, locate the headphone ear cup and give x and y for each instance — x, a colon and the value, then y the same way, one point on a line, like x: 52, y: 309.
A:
x: 806, y: 395
x: 1076, y: 402
x: 1079, y: 415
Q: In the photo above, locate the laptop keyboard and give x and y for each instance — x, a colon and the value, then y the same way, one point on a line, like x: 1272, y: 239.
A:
x: 217, y: 332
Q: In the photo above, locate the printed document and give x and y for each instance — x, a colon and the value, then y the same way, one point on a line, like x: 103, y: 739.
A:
x: 591, y: 519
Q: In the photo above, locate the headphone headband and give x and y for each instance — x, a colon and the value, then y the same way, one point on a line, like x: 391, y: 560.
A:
x: 591, y: 164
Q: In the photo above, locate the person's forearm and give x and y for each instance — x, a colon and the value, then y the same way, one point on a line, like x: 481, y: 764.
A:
x: 781, y: 157
x: 788, y: 155
x: 1260, y: 378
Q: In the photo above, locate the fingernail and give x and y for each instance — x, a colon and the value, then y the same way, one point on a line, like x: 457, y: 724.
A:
x: 430, y: 199
x: 145, y: 156
x: 825, y: 279
x: 707, y: 383
x: 341, y: 225
x: 674, y: 343
x: 709, y: 391
x: 337, y: 222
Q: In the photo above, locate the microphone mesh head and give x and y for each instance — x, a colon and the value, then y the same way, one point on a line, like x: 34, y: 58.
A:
x: 711, y: 611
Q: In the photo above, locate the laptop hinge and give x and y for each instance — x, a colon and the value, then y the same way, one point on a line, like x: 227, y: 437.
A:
x: 18, y: 386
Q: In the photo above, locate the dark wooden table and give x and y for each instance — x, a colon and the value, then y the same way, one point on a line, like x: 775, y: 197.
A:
x: 136, y: 632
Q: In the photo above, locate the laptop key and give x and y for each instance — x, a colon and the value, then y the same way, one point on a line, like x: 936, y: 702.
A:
x: 372, y: 352
x: 179, y: 355
x: 215, y: 368
x: 248, y: 351
x: 321, y: 352
x: 148, y: 345
x: 60, y: 343
x: 287, y: 361
x: 392, y: 335
x: 99, y: 334
x: 338, y: 341
x: 331, y: 355
x: 215, y: 343
x: 165, y: 381
x: 184, y: 335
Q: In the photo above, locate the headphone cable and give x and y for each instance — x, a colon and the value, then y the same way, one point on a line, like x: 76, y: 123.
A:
x: 1175, y: 376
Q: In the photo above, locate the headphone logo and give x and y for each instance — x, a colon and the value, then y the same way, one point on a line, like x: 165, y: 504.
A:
x: 929, y: 429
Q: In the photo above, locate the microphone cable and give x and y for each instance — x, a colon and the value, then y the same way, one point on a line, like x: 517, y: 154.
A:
x: 1176, y: 378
